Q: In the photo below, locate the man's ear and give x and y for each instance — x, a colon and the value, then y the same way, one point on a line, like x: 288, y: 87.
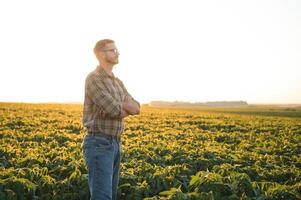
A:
x: 98, y: 55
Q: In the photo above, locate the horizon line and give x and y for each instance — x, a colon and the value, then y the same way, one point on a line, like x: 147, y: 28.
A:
x: 143, y: 103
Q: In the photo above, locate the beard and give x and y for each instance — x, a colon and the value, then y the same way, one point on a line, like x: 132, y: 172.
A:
x: 112, y: 60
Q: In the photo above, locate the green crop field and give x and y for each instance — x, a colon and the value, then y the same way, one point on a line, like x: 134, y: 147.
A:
x: 168, y: 153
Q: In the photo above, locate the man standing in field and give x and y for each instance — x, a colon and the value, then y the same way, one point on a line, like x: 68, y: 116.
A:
x: 107, y: 103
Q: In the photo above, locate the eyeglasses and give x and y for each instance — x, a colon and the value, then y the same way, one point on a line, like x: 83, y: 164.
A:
x: 112, y: 50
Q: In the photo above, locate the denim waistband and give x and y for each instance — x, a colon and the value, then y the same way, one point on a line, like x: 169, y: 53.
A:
x: 112, y: 137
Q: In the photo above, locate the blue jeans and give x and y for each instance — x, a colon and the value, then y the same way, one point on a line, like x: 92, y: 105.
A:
x: 102, y: 156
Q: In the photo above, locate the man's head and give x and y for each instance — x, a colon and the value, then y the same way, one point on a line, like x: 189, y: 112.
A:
x: 106, y: 51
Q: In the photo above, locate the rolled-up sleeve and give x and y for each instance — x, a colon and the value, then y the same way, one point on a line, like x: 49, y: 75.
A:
x: 127, y: 93
x: 102, y: 98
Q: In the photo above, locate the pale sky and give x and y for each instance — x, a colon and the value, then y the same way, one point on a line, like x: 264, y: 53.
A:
x: 170, y: 50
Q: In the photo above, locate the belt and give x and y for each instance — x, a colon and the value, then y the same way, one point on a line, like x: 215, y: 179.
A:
x: 105, y: 135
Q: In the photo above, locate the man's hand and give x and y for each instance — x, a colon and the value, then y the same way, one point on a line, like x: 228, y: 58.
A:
x: 130, y: 106
x: 102, y: 114
x: 124, y: 114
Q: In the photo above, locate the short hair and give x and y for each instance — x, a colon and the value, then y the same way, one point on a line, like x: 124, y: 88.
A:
x: 100, y: 45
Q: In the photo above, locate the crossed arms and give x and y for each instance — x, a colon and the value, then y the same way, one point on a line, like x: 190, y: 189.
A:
x: 129, y: 107
x: 109, y: 106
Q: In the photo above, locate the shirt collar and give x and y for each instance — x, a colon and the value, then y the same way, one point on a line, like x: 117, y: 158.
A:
x: 103, y: 72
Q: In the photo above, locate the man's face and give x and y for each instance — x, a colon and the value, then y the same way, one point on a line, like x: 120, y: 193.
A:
x: 110, y: 53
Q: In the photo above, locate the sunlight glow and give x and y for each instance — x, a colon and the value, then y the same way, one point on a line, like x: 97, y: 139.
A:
x: 169, y: 50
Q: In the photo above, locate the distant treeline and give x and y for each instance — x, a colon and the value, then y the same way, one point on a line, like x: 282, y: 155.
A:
x: 188, y: 104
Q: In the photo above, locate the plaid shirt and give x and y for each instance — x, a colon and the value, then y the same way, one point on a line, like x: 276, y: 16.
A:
x: 103, y: 95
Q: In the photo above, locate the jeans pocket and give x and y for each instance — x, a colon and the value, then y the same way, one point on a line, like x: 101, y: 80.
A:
x: 102, y: 143
x: 87, y: 151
